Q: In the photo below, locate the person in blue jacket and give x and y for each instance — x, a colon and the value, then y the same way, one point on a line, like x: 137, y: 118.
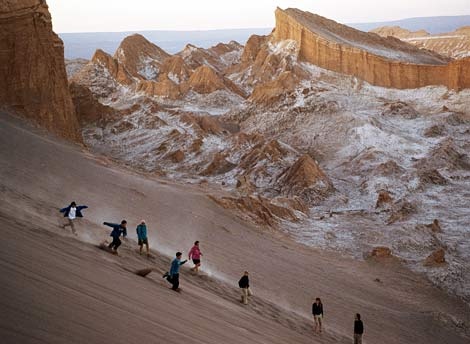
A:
x: 71, y: 213
x: 118, y: 230
x: 174, y: 275
x: 142, y: 237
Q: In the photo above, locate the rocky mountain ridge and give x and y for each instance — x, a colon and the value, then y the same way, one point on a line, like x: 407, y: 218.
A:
x: 385, y: 62
x: 454, y: 44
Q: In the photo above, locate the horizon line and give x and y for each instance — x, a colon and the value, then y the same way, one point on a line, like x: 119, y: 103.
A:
x: 257, y: 28
x: 169, y: 30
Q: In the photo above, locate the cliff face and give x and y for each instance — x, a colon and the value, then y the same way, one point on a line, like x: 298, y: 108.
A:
x: 386, y: 62
x: 32, y: 70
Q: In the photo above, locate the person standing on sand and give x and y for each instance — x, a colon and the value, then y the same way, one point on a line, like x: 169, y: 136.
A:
x: 71, y: 213
x: 116, y: 233
x: 142, y: 237
x: 358, y: 329
x: 174, y: 275
x: 195, y: 254
x: 317, y: 311
x: 244, y: 284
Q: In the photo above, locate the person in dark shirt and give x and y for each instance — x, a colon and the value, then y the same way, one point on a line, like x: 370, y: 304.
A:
x: 118, y: 230
x: 317, y: 312
x: 72, y: 213
x: 244, y: 284
x: 358, y: 329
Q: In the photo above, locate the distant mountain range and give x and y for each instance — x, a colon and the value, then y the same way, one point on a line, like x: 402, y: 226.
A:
x: 433, y: 25
x: 84, y: 44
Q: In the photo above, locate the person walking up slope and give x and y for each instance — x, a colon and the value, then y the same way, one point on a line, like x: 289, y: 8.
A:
x: 244, y: 284
x: 317, y: 311
x: 195, y: 254
x: 358, y: 329
x: 142, y: 237
x: 71, y: 213
x: 118, y: 230
x: 174, y: 275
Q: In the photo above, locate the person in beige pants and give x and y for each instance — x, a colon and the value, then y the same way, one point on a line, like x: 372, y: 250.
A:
x: 71, y: 213
x: 244, y: 284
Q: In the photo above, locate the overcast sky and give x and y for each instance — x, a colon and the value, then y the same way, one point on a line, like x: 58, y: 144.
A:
x: 129, y: 15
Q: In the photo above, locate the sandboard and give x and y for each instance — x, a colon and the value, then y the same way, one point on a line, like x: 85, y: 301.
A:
x: 144, y: 272
x: 104, y: 247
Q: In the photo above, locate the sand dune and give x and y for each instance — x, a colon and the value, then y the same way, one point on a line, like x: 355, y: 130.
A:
x: 56, y: 288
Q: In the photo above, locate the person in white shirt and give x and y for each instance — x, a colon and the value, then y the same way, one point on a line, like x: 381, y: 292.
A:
x: 71, y: 213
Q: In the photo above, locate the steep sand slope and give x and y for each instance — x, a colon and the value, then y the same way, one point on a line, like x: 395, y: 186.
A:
x: 56, y: 288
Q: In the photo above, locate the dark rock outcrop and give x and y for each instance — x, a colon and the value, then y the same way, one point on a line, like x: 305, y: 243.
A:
x: 32, y: 69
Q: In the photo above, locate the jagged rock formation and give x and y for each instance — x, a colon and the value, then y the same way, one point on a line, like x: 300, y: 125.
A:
x: 380, y: 252
x: 32, y: 70
x: 262, y: 210
x: 272, y: 91
x: 206, y: 80
x: 87, y: 108
x: 436, y: 258
x: 113, y: 66
x: 386, y: 62
x: 142, y: 67
x: 74, y: 66
x: 454, y: 44
x: 175, y: 69
x: 306, y: 180
x: 219, y: 57
x: 383, y: 199
x: 140, y: 58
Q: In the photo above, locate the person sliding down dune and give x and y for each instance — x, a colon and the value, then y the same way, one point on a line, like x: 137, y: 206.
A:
x: 195, y: 254
x: 118, y: 230
x: 71, y: 213
x: 142, y: 237
x: 174, y: 275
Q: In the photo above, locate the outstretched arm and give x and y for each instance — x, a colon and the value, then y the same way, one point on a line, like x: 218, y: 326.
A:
x: 82, y: 207
x: 63, y: 210
x: 109, y: 224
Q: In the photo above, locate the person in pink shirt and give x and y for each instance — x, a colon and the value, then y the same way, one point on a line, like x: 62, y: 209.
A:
x: 195, y: 254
